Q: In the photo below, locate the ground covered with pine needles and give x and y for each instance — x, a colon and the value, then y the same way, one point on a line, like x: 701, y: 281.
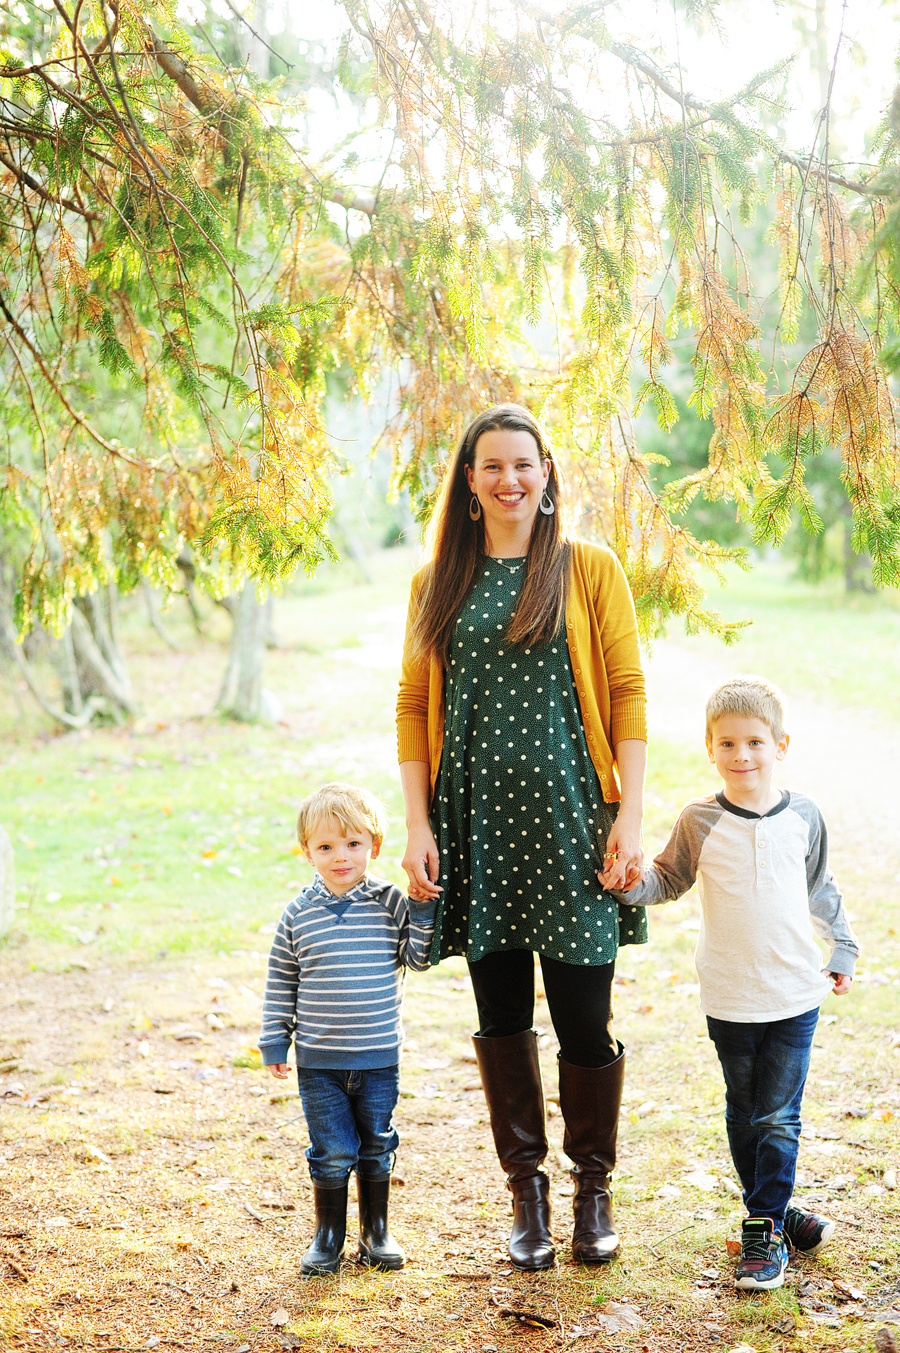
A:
x: 153, y: 1190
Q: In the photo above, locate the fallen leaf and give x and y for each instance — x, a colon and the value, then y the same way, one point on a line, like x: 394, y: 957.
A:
x: 786, y: 1325
x: 279, y: 1317
x: 733, y: 1247
x: 625, y: 1315
x: 848, y: 1291
x: 886, y: 1340
x: 742, y: 1348
x: 856, y: 1111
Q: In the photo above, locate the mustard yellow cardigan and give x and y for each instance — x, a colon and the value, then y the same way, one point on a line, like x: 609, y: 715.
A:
x: 606, y: 661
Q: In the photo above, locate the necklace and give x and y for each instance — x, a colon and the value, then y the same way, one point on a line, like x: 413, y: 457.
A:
x: 510, y: 568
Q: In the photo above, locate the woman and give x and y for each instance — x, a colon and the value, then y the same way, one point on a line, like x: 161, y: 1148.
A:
x: 522, y: 739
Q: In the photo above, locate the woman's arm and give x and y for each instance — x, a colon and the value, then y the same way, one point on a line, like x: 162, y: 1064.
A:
x: 625, y: 839
x: 421, y: 860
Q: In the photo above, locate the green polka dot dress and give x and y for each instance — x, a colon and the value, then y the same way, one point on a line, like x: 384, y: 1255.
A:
x: 518, y: 813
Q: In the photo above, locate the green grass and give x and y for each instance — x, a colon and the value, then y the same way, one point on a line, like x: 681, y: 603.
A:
x: 821, y: 641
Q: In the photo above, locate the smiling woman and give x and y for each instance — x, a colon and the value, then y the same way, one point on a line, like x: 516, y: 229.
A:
x: 522, y: 739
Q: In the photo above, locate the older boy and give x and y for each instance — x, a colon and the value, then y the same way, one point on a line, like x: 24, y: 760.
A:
x: 760, y: 859
x: 335, y: 984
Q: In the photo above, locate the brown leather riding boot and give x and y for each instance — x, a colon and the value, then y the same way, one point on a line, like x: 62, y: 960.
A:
x: 589, y: 1099
x: 511, y: 1078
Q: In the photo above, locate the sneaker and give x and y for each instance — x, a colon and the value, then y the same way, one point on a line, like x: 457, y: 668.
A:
x: 764, y: 1255
x: 807, y: 1232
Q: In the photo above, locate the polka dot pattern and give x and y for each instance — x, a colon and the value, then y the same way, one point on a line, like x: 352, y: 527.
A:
x: 518, y: 813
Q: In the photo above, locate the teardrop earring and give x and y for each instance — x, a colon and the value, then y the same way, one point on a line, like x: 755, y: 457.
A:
x: 475, y: 508
x: 547, y: 505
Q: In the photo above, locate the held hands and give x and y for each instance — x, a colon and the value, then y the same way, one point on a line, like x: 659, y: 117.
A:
x: 280, y: 1070
x: 623, y: 859
x: 421, y: 863
x: 842, y: 982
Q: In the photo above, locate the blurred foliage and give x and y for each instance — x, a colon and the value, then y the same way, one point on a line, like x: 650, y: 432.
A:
x: 180, y: 273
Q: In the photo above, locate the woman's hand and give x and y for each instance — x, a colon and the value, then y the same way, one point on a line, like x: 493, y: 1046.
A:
x: 623, y: 859
x: 421, y: 860
x: 421, y: 863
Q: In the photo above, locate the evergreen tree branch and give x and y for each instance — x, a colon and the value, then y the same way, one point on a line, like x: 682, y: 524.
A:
x: 807, y: 164
x: 25, y: 178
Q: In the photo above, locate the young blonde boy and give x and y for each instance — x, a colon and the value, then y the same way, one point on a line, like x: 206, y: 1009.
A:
x: 759, y: 856
x: 335, y: 986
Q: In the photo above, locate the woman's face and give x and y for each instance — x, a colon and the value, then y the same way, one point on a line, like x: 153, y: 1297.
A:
x: 508, y: 478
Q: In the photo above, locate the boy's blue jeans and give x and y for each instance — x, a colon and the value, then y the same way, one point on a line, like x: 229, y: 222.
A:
x: 349, y: 1115
x: 765, y: 1068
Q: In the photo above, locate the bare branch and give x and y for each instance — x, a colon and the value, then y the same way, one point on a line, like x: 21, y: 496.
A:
x: 806, y: 164
x: 24, y: 177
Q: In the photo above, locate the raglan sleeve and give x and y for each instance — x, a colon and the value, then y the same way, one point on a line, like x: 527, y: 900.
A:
x: 826, y: 905
x: 674, y: 869
x: 279, y: 1017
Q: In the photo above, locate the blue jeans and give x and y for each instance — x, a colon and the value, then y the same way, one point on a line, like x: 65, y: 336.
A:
x: 349, y: 1116
x: 765, y: 1068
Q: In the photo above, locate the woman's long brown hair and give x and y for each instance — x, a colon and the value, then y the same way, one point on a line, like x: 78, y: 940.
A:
x: 457, y: 553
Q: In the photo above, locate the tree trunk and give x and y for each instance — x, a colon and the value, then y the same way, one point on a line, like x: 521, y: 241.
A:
x: 101, y: 666
x: 239, y: 697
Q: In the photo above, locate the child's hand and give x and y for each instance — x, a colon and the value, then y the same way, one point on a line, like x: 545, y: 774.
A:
x: 629, y: 883
x: 842, y: 983
x: 280, y: 1070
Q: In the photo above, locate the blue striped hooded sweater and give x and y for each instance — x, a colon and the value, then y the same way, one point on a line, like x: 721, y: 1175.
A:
x: 336, y: 977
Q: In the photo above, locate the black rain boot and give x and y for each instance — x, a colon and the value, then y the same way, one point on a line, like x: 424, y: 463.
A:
x: 327, y: 1249
x: 377, y: 1247
x: 511, y: 1079
x: 589, y: 1100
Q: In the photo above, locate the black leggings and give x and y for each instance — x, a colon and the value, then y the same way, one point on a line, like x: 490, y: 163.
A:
x: 580, y: 1001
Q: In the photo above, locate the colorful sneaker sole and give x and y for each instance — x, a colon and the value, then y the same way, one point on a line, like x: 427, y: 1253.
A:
x: 753, y: 1282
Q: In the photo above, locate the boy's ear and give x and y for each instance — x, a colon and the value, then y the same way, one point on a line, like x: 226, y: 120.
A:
x: 376, y: 848
x: 781, y: 749
x: 306, y: 852
x: 709, y: 753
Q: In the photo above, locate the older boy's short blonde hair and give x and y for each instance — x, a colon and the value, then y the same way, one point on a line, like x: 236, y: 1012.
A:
x: 750, y: 696
x: 353, y: 808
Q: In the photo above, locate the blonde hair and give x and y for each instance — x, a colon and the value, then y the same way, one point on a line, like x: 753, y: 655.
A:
x: 353, y: 808
x: 750, y: 696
